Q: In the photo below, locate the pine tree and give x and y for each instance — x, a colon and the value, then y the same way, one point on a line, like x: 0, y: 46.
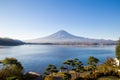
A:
x: 118, y: 50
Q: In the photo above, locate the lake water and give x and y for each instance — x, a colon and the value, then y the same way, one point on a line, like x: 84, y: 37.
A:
x: 37, y: 57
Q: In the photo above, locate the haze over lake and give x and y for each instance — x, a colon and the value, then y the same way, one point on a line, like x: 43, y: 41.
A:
x: 37, y: 57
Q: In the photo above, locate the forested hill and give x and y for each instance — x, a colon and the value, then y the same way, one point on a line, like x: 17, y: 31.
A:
x: 10, y: 42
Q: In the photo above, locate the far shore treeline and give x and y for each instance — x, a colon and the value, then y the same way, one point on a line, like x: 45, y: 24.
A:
x: 12, y: 42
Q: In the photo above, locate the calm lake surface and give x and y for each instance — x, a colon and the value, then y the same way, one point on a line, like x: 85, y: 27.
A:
x: 37, y: 57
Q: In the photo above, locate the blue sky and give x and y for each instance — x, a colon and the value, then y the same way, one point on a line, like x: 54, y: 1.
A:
x: 28, y: 19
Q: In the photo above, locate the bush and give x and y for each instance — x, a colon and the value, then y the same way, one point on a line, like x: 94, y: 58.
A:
x: 28, y: 76
x: 66, y: 76
x: 13, y: 78
x: 80, y: 78
x: 48, y: 78
x: 11, y: 69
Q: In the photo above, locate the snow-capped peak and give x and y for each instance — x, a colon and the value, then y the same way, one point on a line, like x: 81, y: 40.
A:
x: 62, y: 34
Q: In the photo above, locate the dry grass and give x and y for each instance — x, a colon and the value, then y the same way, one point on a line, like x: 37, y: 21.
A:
x: 109, y: 78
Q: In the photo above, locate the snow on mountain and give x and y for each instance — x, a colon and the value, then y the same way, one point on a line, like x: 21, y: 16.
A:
x: 65, y: 37
x: 61, y: 35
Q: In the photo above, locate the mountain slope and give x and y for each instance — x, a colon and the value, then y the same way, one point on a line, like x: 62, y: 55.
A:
x: 10, y: 42
x: 62, y: 36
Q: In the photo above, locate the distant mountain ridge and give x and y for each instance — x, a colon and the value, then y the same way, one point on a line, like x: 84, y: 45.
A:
x: 63, y: 37
x: 10, y: 42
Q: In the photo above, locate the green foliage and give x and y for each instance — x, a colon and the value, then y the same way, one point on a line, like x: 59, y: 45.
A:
x: 62, y: 68
x: 67, y: 63
x: 11, y: 68
x: 11, y: 63
x: 13, y: 78
x: 78, y: 72
x: 110, y: 62
x: 51, y: 69
x: 66, y: 76
x: 28, y: 76
x: 76, y: 65
x: 73, y: 65
x: 118, y: 50
x: 109, y: 66
x: 92, y: 61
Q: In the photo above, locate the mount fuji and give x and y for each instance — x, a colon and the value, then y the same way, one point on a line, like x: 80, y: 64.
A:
x: 63, y: 37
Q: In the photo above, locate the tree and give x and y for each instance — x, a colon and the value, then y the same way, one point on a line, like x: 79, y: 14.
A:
x: 92, y: 61
x: 110, y: 62
x: 51, y: 69
x: 67, y: 76
x: 62, y: 68
x: 118, y: 51
x: 73, y: 63
x: 11, y: 63
x: 67, y: 63
x: 11, y: 67
x: 111, y: 65
x: 77, y: 67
